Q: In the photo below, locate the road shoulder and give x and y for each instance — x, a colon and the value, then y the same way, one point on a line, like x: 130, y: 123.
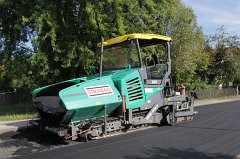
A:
x: 215, y: 101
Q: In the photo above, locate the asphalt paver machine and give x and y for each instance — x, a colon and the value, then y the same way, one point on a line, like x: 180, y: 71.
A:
x: 132, y: 90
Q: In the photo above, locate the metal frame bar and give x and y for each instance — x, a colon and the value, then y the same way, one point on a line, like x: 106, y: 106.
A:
x: 168, y: 54
x: 139, y: 52
x: 101, y: 57
x: 105, y: 119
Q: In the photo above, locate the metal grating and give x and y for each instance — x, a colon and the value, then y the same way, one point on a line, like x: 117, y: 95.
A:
x: 134, y: 89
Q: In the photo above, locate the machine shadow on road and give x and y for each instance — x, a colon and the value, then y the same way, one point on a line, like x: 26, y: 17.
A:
x: 157, y: 152
x: 28, y: 140
x: 32, y: 134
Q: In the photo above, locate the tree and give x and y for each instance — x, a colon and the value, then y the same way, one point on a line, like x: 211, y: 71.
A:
x: 13, y: 36
x: 64, y: 36
x: 225, y: 57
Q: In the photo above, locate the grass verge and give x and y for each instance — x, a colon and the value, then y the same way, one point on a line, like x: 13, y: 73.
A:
x: 16, y: 112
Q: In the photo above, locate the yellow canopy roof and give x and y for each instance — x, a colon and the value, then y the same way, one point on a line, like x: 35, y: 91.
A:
x: 136, y: 36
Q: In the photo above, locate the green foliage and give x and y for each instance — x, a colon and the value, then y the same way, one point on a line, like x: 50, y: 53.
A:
x: 225, y: 57
x: 63, y: 37
x: 189, y: 58
x: 199, y: 84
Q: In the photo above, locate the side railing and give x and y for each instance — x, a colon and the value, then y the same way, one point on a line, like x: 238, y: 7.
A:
x: 12, y: 98
x: 216, y: 93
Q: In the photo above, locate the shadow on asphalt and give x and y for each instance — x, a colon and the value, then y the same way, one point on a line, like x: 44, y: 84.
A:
x: 172, y: 153
x: 33, y: 134
x: 28, y: 140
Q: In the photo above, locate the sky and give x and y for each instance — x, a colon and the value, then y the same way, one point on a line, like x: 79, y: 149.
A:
x: 212, y: 14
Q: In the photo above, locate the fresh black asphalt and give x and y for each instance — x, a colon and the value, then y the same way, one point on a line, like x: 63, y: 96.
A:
x: 213, y: 134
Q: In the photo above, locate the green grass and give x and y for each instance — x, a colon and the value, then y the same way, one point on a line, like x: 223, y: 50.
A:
x: 10, y: 112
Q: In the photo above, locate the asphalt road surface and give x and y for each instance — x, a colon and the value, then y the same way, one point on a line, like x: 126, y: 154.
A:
x: 213, y: 134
